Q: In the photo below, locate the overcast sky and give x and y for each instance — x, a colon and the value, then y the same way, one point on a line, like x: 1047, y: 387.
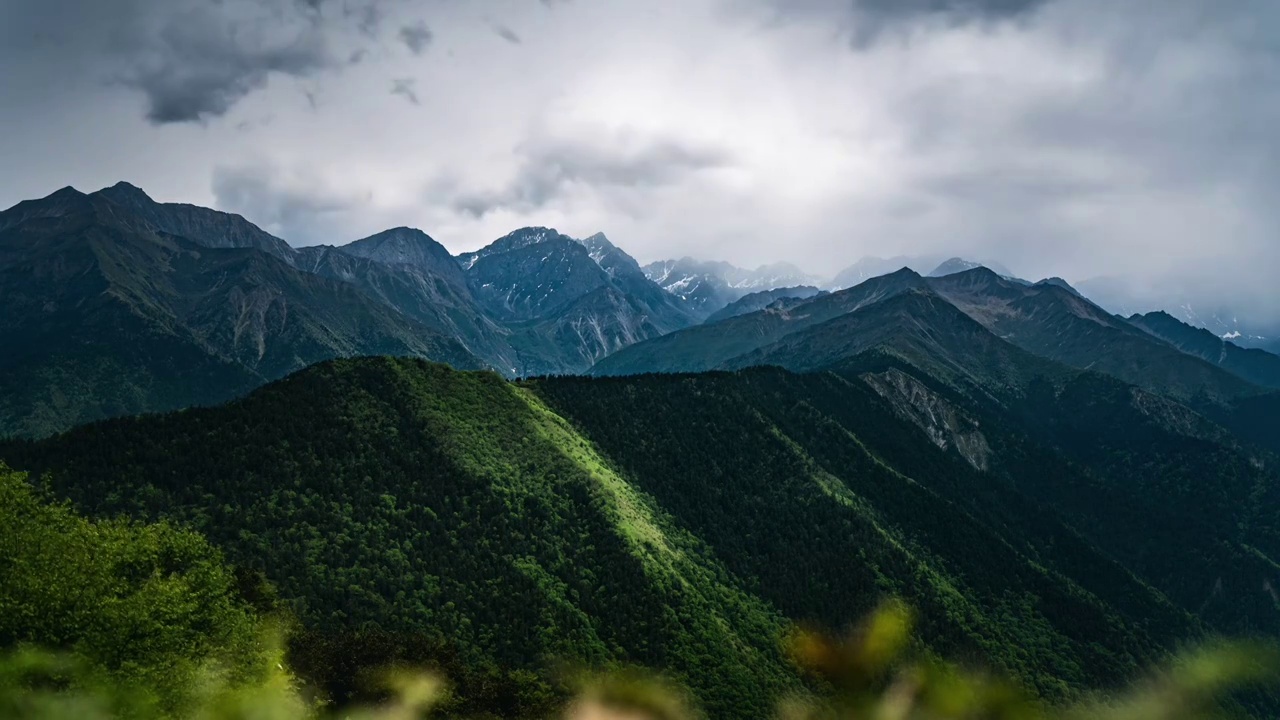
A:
x: 1061, y: 137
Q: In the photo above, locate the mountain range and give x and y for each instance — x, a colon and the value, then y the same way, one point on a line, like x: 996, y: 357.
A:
x: 1046, y: 320
x: 561, y: 456
x: 108, y: 313
x: 116, y: 300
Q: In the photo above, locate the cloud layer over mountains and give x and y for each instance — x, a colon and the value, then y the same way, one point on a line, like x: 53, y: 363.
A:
x: 1062, y: 137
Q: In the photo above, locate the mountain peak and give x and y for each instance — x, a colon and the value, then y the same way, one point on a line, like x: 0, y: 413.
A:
x: 976, y: 274
x: 1059, y: 282
x: 598, y: 244
x: 524, y: 237
x: 406, y: 246
x: 404, y: 229
x: 613, y: 259
x: 514, y: 240
x: 65, y: 193
x: 56, y: 204
x: 68, y: 197
x: 401, y: 233
x: 127, y: 187
x: 904, y: 272
x: 123, y: 193
x: 955, y: 266
x: 539, y: 232
x: 902, y: 276
x: 904, y: 279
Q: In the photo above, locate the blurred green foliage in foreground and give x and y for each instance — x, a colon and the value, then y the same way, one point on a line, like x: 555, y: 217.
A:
x: 867, y: 675
x: 871, y: 676
x: 149, y: 623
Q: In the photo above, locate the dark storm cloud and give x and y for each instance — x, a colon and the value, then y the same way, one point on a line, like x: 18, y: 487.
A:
x: 550, y: 169
x: 417, y: 37
x: 200, y: 65
x: 865, y: 21
x: 368, y: 17
x: 881, y: 10
x: 406, y: 88
x: 506, y: 33
x: 192, y: 60
x: 970, y: 8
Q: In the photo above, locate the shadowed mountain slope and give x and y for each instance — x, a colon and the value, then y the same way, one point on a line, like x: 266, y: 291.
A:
x: 710, y: 346
x: 1257, y: 366
x: 527, y: 522
x: 763, y: 299
x: 567, y: 303
x: 1055, y: 323
x: 1046, y: 319
x: 109, y: 315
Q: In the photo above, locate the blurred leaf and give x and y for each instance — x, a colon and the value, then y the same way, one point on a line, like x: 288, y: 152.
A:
x: 633, y: 694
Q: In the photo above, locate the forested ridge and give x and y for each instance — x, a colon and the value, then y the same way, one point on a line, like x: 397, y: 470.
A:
x: 406, y: 511
x: 420, y: 498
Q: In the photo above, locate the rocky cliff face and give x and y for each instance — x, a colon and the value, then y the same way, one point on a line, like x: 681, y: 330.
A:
x: 946, y: 425
x: 535, y: 281
x: 567, y: 303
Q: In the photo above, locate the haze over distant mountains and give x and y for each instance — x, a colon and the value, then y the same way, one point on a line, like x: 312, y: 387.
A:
x: 1228, y: 318
x: 117, y: 300
x: 706, y: 287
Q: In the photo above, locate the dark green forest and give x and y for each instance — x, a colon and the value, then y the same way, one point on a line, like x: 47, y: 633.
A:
x: 507, y: 536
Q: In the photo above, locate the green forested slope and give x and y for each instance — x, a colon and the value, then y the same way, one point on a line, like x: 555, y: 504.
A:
x: 1167, y: 492
x: 810, y: 482
x: 124, y: 620
x: 419, y: 498
x: 681, y: 522
x: 1173, y: 496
